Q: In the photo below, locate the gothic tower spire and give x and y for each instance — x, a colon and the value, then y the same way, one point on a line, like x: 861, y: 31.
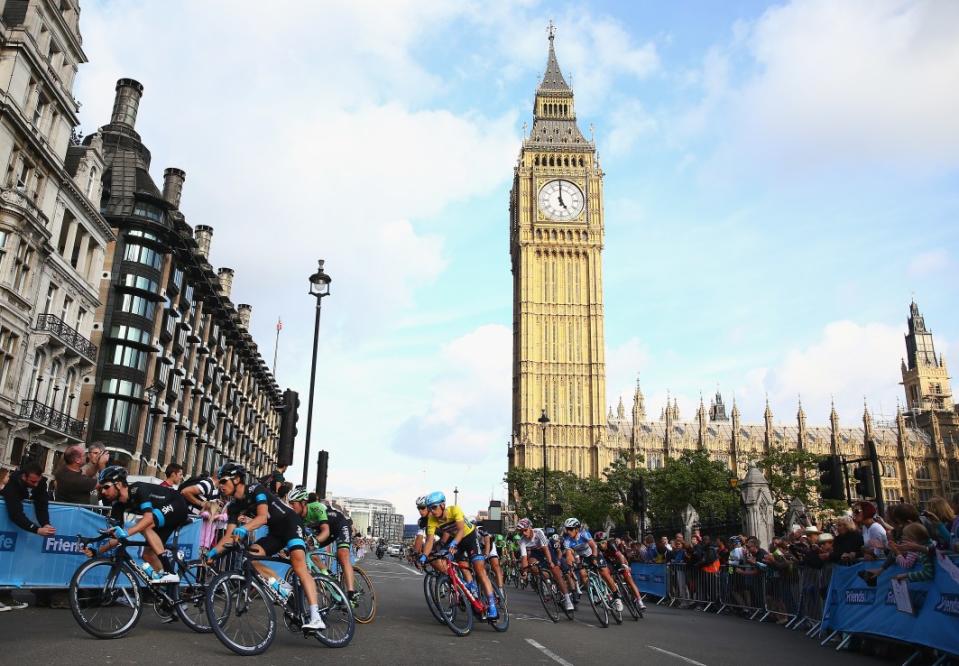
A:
x: 924, y: 375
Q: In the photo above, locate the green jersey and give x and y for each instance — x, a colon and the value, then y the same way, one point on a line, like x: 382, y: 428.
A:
x: 315, y: 514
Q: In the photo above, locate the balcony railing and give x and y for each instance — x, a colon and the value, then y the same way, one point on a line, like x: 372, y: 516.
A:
x: 49, y: 417
x: 67, y: 334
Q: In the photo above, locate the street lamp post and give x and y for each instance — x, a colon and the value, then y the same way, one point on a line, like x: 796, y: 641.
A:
x: 543, y: 422
x: 456, y: 495
x: 319, y: 287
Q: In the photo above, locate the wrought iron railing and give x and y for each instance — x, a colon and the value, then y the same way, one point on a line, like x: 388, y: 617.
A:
x: 67, y: 334
x: 51, y: 418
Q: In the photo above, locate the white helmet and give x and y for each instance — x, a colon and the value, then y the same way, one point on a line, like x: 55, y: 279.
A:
x: 572, y: 524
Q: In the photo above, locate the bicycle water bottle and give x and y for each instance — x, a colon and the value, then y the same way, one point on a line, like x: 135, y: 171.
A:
x: 148, y: 570
x: 280, y: 587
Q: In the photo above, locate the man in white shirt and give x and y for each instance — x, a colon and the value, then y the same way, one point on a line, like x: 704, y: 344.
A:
x: 874, y: 538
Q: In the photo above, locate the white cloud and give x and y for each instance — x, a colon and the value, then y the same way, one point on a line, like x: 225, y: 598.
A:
x: 927, y: 263
x: 628, y: 123
x: 623, y: 363
x: 825, y: 83
x: 849, y: 362
x: 468, y: 415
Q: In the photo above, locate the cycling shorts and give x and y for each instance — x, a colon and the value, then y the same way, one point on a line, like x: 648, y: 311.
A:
x: 537, y: 556
x: 468, y: 547
x: 286, y: 534
x: 492, y: 551
x: 167, y: 518
x: 341, y: 532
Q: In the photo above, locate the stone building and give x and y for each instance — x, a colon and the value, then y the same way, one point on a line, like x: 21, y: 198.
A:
x: 556, y: 242
x: 179, y: 377
x: 53, y: 238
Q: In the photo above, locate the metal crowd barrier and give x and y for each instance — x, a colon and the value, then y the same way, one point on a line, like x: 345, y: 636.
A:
x: 794, y: 595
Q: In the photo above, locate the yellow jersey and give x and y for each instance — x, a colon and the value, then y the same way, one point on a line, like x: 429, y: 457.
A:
x: 447, y: 523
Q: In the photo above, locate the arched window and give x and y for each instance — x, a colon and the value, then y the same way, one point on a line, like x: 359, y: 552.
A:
x: 922, y: 472
x: 94, y: 174
x: 536, y: 160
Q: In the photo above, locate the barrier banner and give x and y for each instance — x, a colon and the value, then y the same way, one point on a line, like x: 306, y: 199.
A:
x: 854, y: 607
x: 650, y: 578
x: 30, y: 560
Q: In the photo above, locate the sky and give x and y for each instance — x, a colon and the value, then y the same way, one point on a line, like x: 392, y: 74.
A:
x: 781, y: 179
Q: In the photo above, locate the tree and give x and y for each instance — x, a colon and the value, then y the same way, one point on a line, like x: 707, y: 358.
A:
x: 590, y: 500
x: 693, y: 478
x: 790, y: 473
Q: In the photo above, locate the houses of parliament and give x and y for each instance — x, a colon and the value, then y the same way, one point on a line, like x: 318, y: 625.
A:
x: 556, y: 242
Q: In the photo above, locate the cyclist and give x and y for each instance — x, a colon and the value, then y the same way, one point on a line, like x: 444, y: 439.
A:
x: 579, y: 542
x: 491, y: 552
x: 284, y: 531
x: 420, y: 526
x: 533, y: 543
x: 613, y: 555
x: 162, y: 512
x: 328, y: 525
x: 462, y: 543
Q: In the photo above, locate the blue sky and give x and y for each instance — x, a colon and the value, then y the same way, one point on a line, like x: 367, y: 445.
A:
x: 781, y: 179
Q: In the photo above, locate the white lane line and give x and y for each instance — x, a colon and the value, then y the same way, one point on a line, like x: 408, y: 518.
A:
x: 678, y: 656
x: 418, y: 573
x: 549, y: 653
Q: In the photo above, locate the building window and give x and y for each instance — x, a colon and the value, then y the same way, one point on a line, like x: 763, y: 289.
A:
x: 65, y: 310
x: 40, y: 110
x: 129, y: 357
x: 121, y: 387
x: 143, y: 255
x: 889, y: 469
x: 21, y: 266
x: 148, y: 211
x: 23, y: 175
x: 118, y: 415
x: 922, y: 472
x: 137, y: 305
x: 51, y: 295
x: 924, y: 495
x: 131, y: 333
x: 81, y: 318
x: 137, y: 233
x: 140, y: 282
x: 3, y: 246
x: 954, y: 470
x: 8, y: 351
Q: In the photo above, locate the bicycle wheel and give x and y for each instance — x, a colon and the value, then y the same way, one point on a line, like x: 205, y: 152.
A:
x: 501, y: 623
x: 337, y: 613
x: 626, y: 595
x: 429, y: 591
x: 364, y: 605
x: 544, y: 590
x: 240, y: 613
x: 191, y: 606
x: 105, y: 598
x: 455, y: 608
x: 595, y: 594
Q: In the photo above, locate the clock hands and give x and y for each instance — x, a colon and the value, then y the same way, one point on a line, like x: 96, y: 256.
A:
x: 561, y: 202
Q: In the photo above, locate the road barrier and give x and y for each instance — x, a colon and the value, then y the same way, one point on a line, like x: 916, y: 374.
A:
x: 832, y: 599
x: 32, y: 561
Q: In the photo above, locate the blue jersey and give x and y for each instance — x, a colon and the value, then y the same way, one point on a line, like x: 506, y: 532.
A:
x: 579, y: 545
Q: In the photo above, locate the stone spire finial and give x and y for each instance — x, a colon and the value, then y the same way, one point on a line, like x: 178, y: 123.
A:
x: 621, y: 410
x: 553, y: 78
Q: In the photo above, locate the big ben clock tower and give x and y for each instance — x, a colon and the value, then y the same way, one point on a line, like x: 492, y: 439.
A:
x: 556, y: 243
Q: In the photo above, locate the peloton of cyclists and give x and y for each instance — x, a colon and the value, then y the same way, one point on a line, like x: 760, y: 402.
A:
x: 534, y: 544
x: 579, y: 542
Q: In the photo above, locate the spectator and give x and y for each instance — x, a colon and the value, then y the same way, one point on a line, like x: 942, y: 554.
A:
x: 311, y: 498
x: 939, y: 522
x: 875, y: 541
x: 916, y: 538
x: 754, y: 552
x: 4, y: 477
x: 27, y: 484
x: 73, y: 485
x: 97, y: 459
x: 722, y: 551
x: 284, y: 490
x: 274, y: 479
x: 174, y: 475
x: 847, y: 546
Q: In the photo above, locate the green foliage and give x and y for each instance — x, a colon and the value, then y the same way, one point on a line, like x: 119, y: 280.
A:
x: 693, y: 478
x: 790, y: 473
x: 590, y: 500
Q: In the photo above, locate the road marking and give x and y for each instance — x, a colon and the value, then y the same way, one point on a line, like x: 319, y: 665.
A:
x: 418, y: 573
x: 678, y: 656
x: 549, y: 653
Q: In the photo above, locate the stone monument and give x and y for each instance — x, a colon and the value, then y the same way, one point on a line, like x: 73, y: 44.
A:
x: 757, y: 506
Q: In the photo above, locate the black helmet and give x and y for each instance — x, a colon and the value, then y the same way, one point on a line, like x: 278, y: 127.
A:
x: 231, y: 469
x: 112, y: 473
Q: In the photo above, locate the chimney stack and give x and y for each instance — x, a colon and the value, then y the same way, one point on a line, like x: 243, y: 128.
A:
x: 173, y: 185
x: 226, y: 280
x: 127, y: 102
x: 204, y: 236
x: 245, y: 311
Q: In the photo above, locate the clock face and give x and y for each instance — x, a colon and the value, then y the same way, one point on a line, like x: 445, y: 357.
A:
x: 561, y: 200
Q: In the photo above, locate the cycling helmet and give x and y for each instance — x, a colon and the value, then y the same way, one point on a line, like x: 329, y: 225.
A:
x: 599, y: 536
x: 230, y: 470
x: 555, y: 538
x: 524, y: 524
x: 517, y: 537
x: 298, y: 495
x: 421, y: 502
x: 572, y: 524
x: 435, y: 498
x: 112, y: 473
x: 499, y: 539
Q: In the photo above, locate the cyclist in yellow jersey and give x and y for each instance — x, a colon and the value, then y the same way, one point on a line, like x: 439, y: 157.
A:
x: 451, y: 520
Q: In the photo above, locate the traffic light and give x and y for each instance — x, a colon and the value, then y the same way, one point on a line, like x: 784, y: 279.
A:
x: 830, y: 478
x: 291, y: 406
x: 637, y: 491
x: 864, y: 486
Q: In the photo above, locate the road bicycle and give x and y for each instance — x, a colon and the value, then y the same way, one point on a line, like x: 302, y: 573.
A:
x: 599, y: 595
x: 548, y: 592
x: 245, y: 602
x: 457, y: 604
x: 364, y: 599
x: 430, y: 578
x: 626, y: 592
x: 107, y: 593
